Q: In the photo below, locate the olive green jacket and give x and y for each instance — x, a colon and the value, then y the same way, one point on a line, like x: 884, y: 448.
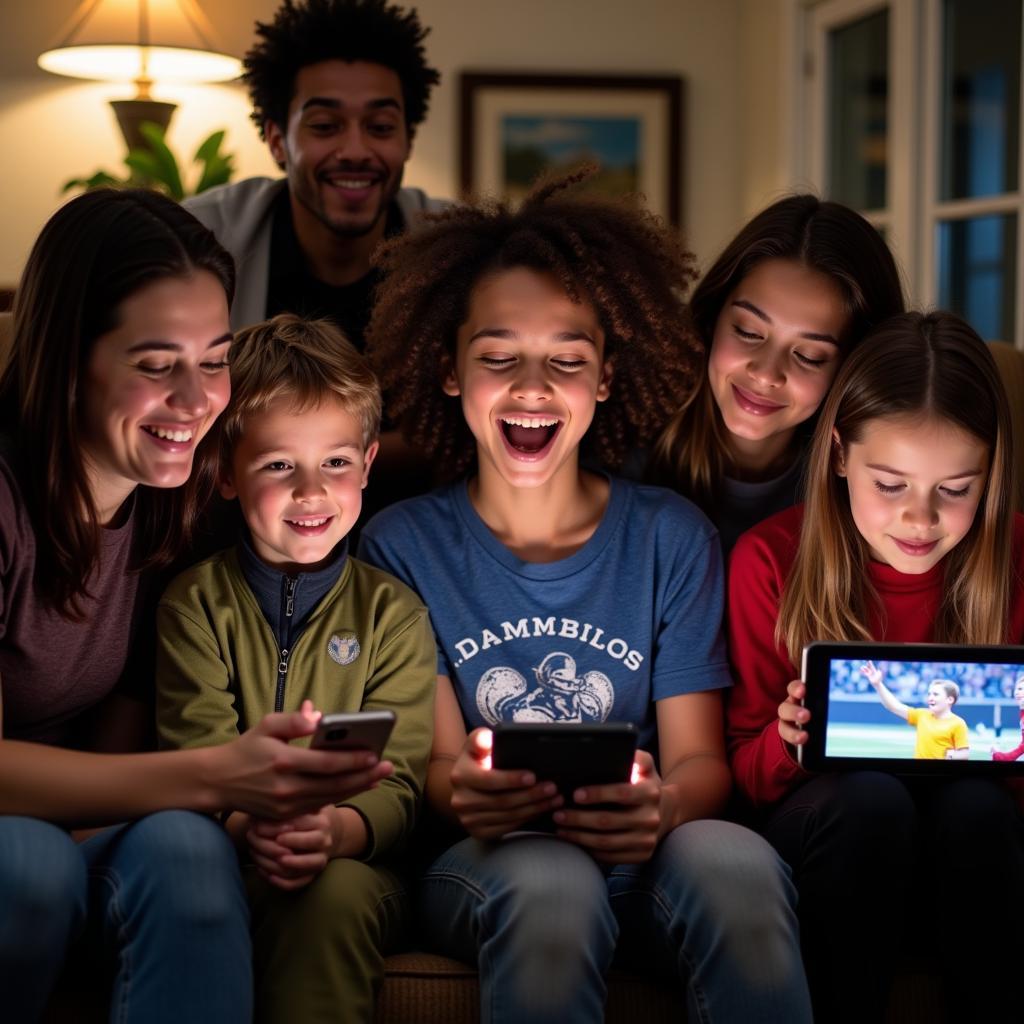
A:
x: 367, y: 645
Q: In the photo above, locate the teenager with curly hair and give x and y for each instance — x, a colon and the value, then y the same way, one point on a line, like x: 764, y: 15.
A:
x: 789, y: 297
x: 558, y: 594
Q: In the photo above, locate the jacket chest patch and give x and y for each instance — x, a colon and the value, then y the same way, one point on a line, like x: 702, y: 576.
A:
x: 343, y: 648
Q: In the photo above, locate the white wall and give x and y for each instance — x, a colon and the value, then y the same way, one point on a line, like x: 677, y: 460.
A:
x: 54, y: 128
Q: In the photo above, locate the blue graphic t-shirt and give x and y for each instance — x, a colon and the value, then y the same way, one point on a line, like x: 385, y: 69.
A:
x: 632, y: 617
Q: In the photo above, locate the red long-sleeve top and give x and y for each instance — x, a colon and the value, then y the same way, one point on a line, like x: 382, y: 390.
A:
x: 763, y: 765
x: 1012, y: 755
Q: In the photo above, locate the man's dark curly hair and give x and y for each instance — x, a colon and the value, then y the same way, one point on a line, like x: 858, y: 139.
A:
x: 310, y: 31
x: 621, y: 259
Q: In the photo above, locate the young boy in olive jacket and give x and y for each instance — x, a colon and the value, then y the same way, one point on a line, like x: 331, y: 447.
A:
x: 285, y: 617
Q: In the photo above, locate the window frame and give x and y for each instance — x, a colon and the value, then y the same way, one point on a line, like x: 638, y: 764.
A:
x: 913, y: 212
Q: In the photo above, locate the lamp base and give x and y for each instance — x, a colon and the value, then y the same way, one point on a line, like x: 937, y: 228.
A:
x: 131, y: 114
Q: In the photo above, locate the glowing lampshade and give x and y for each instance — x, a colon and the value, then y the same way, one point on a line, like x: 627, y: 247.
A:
x: 140, y: 41
x: 128, y: 63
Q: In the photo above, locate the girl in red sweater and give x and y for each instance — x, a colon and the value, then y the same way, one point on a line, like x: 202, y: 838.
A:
x: 907, y: 535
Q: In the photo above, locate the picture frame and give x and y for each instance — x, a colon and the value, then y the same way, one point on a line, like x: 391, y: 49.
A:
x: 513, y: 126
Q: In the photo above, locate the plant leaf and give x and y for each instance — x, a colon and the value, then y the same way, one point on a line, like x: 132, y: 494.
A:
x: 208, y: 147
x: 144, y: 164
x: 100, y: 179
x: 217, y: 167
x: 165, y: 163
x: 216, y: 171
x: 153, y: 164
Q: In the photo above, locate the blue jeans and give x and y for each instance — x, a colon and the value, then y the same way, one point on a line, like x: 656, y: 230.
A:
x: 163, y: 895
x: 713, y: 910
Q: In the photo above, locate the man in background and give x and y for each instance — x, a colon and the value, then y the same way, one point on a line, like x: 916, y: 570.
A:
x: 338, y: 89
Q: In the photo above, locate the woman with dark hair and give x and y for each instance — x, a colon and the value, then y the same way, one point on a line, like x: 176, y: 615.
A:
x: 782, y: 306
x: 117, y: 370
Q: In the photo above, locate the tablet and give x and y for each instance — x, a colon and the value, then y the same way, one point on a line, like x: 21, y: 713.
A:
x: 570, y: 754
x: 936, y: 709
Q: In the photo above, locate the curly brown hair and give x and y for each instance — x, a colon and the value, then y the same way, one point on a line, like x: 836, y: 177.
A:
x: 611, y: 253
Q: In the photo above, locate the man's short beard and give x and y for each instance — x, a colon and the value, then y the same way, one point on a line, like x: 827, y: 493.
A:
x: 354, y: 232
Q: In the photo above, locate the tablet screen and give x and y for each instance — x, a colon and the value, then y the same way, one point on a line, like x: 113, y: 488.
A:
x: 916, y: 707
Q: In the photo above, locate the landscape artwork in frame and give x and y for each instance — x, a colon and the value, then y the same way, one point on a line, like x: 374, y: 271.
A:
x: 515, y: 127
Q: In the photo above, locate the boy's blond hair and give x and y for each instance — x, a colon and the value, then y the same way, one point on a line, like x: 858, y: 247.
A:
x: 305, y: 361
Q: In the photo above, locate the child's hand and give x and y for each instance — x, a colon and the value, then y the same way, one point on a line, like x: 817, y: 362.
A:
x: 290, y: 854
x: 490, y: 803
x: 872, y: 674
x: 793, y: 716
x: 625, y: 834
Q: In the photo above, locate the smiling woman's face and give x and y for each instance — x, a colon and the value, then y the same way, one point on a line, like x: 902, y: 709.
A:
x: 153, y: 386
x: 774, y: 354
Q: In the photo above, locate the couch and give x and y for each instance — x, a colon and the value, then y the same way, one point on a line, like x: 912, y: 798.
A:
x: 421, y: 988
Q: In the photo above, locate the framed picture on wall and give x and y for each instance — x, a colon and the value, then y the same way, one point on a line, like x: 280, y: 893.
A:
x: 516, y: 126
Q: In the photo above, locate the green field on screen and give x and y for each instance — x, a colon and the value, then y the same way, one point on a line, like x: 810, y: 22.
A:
x: 898, y: 741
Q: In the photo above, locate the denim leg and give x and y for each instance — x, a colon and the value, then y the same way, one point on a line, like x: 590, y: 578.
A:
x: 715, y: 909
x: 849, y: 839
x: 532, y: 912
x: 43, y: 901
x: 168, y: 895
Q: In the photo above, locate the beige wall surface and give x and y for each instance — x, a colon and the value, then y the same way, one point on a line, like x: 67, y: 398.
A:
x: 54, y: 128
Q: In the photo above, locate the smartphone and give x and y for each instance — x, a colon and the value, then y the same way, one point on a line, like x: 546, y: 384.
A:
x: 569, y: 754
x: 356, y: 730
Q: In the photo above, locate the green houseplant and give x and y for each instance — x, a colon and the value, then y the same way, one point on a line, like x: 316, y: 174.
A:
x: 154, y: 165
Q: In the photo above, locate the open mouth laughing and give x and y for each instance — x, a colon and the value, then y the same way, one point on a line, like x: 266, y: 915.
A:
x: 529, y: 437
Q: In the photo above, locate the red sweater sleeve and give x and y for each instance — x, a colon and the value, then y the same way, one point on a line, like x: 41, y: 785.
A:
x: 762, y: 764
x: 1012, y: 755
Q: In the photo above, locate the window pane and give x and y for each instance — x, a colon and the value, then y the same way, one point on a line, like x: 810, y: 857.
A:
x: 980, y: 97
x: 978, y: 272
x: 858, y: 96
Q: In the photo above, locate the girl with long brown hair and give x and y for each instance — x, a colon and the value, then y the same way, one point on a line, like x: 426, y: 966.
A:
x: 907, y: 536
x: 789, y: 297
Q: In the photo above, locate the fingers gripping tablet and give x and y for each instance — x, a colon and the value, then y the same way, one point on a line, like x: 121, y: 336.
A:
x: 940, y: 709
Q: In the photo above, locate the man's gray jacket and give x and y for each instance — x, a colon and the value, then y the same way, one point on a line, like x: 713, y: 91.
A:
x: 241, y: 216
